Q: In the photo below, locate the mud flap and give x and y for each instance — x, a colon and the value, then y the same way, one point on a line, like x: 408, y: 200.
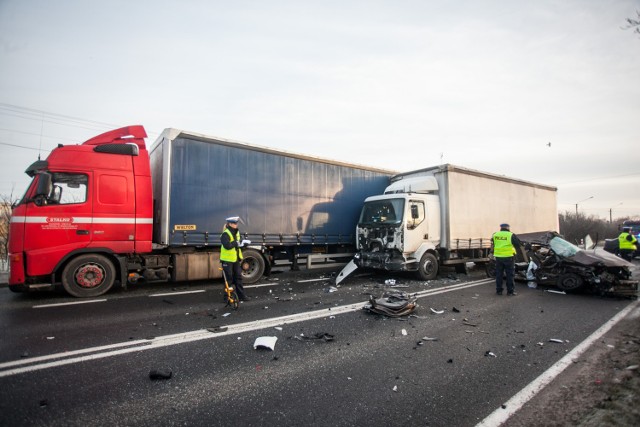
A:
x: 347, y: 270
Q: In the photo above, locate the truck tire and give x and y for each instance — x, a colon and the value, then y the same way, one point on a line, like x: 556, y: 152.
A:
x: 569, y: 282
x: 428, y: 267
x: 88, y: 276
x: 252, y: 266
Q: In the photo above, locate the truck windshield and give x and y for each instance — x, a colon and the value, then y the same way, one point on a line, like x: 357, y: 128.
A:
x: 388, y: 211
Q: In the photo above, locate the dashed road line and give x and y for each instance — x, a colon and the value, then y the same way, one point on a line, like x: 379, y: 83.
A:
x: 60, y: 304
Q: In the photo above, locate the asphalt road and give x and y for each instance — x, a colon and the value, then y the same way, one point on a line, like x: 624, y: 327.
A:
x: 89, y: 364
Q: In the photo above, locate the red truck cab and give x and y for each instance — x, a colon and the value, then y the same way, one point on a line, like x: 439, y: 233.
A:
x: 87, y: 207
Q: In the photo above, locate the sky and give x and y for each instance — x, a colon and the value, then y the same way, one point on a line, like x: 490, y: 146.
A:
x: 545, y: 91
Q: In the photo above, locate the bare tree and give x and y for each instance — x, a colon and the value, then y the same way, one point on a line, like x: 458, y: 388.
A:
x: 633, y: 23
x: 6, y: 202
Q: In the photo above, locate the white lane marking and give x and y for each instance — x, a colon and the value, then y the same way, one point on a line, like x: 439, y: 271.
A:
x: 60, y: 304
x: 185, y: 337
x: 199, y: 291
x: 71, y: 353
x: 514, y: 404
x: 264, y: 285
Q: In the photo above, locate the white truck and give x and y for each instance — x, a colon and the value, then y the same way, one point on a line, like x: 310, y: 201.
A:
x: 446, y: 215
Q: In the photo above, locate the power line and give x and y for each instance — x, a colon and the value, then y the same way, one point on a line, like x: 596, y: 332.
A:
x: 19, y: 146
x: 35, y: 134
x: 40, y: 113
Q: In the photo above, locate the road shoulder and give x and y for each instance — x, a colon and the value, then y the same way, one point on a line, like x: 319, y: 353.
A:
x: 597, y: 389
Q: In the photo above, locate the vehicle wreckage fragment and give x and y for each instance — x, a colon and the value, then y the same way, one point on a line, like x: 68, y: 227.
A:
x: 392, y: 304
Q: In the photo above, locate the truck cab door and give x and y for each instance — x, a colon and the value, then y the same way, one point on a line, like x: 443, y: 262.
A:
x: 58, y: 220
x: 417, y: 225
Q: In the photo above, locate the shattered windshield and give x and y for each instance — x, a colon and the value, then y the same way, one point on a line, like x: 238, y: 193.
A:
x: 388, y: 211
x: 563, y: 248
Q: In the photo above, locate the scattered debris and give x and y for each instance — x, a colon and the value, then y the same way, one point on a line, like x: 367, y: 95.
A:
x: 556, y: 340
x: 226, y: 314
x: 51, y: 338
x: 392, y: 304
x: 541, y: 344
x: 395, y: 388
x: 331, y: 289
x: 465, y: 321
x: 437, y: 311
x: 489, y: 354
x: 455, y: 310
x: 429, y: 339
x: 555, y: 292
x: 450, y: 361
x: 217, y: 329
x: 265, y: 342
x: 279, y: 328
x: 44, y: 403
x: 319, y: 336
x: 631, y: 368
x: 168, y: 301
x: 404, y: 332
x: 390, y: 282
x: 160, y: 374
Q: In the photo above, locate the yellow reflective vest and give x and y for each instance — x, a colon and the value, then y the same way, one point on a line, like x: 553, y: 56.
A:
x: 626, y: 244
x: 502, y: 246
x: 230, y: 255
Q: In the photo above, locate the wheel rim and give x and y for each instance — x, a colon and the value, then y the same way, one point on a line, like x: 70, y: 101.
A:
x: 428, y: 266
x: 249, y: 266
x: 89, y: 275
x: 570, y: 282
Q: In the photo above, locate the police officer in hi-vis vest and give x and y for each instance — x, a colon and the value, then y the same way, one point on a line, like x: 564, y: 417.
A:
x: 504, y: 250
x: 231, y: 255
x: 627, y: 242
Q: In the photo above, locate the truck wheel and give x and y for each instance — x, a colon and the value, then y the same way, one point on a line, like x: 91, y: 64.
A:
x: 569, y: 282
x: 88, y: 276
x: 252, y: 266
x: 428, y: 268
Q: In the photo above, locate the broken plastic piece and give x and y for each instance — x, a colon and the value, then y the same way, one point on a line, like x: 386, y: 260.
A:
x: 404, y: 332
x: 490, y: 354
x: 265, y: 342
x: 395, y: 388
x: 319, y: 336
x: 556, y: 340
x: 226, y: 314
x: 429, y: 339
x: 217, y: 329
x: 160, y: 374
x: 437, y: 311
x: 556, y: 292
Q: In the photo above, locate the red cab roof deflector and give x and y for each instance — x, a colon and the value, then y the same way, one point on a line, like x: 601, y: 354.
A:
x: 132, y: 134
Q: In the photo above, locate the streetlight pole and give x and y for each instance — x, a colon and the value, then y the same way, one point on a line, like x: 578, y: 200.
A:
x: 611, y: 213
x: 591, y: 197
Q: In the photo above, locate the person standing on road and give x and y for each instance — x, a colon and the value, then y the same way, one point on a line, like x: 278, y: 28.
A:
x: 504, y: 244
x: 627, y: 242
x: 231, y: 255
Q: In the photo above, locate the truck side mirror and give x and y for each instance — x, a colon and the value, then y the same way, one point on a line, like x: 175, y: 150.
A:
x: 43, y: 189
x: 44, y: 184
x: 414, y: 212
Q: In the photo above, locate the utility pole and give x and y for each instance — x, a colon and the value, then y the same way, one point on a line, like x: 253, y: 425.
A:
x: 591, y: 197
